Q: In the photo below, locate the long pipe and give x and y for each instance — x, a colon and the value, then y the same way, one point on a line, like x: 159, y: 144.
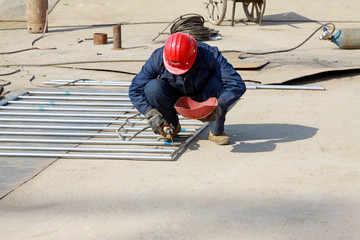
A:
x: 81, y: 127
x: 52, y: 114
x: 86, y: 156
x: 80, y: 93
x: 77, y: 141
x: 70, y: 109
x: 249, y: 86
x: 83, y: 121
x: 87, y: 84
x: 285, y: 87
x: 76, y: 98
x: 82, y: 134
x: 88, y: 149
x: 184, y: 144
x: 73, y: 103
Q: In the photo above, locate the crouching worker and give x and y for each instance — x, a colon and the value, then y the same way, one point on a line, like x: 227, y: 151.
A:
x: 185, y: 67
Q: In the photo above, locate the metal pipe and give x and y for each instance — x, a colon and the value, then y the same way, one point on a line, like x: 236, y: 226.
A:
x: 71, y: 109
x: 88, y: 83
x: 68, y: 127
x: 84, y: 141
x: 75, y: 98
x: 52, y: 114
x: 184, y: 144
x: 117, y: 37
x: 82, y: 134
x: 89, y: 149
x: 84, y: 121
x: 80, y: 93
x: 57, y: 120
x: 36, y: 16
x: 73, y: 103
x: 285, y: 87
x: 81, y: 127
x: 86, y: 156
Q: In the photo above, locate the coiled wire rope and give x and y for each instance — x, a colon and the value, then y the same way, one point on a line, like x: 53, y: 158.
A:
x: 192, y: 24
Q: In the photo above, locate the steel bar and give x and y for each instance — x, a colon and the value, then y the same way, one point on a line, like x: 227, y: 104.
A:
x: 81, y: 127
x: 82, y: 134
x: 184, y: 144
x: 80, y: 93
x: 57, y: 120
x: 249, y: 86
x: 62, y: 114
x: 52, y: 114
x: 285, y: 87
x: 70, y: 109
x: 89, y: 149
x: 88, y: 81
x: 84, y: 141
x: 86, y: 156
x: 125, y: 84
x: 73, y: 103
x: 76, y: 98
x: 85, y: 121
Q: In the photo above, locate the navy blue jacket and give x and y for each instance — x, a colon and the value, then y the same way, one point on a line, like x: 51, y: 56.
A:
x: 209, y: 62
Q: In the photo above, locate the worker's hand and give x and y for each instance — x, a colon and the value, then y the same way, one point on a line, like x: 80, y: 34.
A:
x: 156, y: 121
x: 213, y: 116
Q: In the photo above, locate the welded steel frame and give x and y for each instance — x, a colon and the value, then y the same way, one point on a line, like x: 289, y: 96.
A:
x: 90, y: 130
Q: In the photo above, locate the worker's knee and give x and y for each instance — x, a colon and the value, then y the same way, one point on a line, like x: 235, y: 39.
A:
x: 213, y: 88
x: 158, y: 91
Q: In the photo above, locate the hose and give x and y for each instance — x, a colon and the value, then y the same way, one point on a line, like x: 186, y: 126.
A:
x: 290, y: 49
x: 33, y: 42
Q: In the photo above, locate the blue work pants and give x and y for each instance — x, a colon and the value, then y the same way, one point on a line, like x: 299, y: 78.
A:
x: 162, y: 96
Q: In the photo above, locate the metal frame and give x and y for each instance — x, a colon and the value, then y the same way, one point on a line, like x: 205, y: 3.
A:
x: 102, y: 120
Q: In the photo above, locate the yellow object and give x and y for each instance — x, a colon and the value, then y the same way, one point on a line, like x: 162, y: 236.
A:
x: 221, y: 139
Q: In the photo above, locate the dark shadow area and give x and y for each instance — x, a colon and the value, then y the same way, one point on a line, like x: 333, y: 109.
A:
x: 264, y: 137
x: 324, y: 76
x: 226, y: 214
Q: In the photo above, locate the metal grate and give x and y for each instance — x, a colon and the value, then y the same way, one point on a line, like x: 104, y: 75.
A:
x: 82, y: 124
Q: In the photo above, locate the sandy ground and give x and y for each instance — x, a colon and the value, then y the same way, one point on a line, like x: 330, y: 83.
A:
x: 291, y: 171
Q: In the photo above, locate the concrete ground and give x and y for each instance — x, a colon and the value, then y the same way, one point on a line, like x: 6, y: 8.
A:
x: 290, y: 172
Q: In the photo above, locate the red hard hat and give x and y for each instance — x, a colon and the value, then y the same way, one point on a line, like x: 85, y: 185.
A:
x: 189, y: 108
x: 179, y: 53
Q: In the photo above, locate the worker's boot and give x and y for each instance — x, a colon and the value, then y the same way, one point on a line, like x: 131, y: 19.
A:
x: 221, y: 139
x: 170, y: 137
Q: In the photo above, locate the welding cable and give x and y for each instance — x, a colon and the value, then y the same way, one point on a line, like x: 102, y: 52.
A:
x: 290, y: 49
x: 192, y: 24
x: 33, y: 42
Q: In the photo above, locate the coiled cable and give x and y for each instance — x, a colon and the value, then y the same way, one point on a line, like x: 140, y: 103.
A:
x: 192, y: 24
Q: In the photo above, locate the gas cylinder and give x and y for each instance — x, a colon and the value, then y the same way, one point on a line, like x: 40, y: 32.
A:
x: 36, y: 15
x: 347, y: 38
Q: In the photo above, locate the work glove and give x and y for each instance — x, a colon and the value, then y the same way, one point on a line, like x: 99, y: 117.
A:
x: 156, y: 121
x: 213, y: 116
